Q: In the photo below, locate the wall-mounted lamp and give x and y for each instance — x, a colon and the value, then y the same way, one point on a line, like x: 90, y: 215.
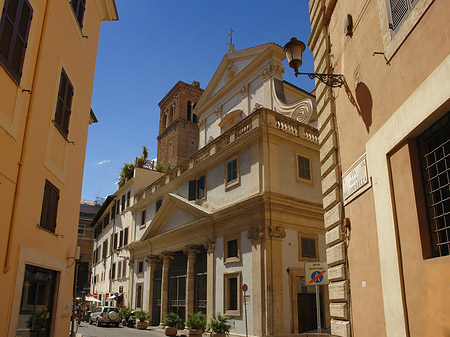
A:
x: 294, y: 50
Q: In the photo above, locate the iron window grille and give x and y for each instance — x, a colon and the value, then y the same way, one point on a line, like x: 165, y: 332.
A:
x: 434, y: 154
x: 398, y: 11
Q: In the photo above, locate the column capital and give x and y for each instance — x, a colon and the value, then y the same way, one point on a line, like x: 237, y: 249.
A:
x: 166, y: 256
x: 277, y: 232
x: 152, y: 259
x: 210, y: 245
x: 255, y: 234
x: 191, y: 250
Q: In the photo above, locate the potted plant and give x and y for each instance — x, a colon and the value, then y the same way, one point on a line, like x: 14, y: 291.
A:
x: 196, y: 323
x: 142, y: 317
x: 219, y: 326
x: 125, y: 313
x: 172, y: 321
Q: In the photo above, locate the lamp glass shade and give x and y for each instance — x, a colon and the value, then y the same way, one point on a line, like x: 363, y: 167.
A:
x: 294, y: 50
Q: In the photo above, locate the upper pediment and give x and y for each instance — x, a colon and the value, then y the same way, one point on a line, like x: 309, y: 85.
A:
x: 235, y: 64
x: 175, y: 212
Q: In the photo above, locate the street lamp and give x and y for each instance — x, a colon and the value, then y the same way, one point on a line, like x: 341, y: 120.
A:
x: 294, y: 50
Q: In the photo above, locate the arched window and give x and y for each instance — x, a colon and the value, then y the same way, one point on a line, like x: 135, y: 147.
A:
x: 189, y: 110
x: 173, y: 113
x: 165, y: 120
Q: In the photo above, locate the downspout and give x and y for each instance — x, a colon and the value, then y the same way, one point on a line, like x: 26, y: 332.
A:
x: 6, y: 266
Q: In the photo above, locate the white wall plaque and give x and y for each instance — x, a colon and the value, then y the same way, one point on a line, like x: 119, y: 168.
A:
x: 356, y: 180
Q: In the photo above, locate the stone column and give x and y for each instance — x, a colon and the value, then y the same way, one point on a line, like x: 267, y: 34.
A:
x: 276, y: 235
x: 166, y: 257
x: 152, y: 263
x: 210, y: 278
x: 130, y: 282
x: 190, y: 279
x: 258, y: 282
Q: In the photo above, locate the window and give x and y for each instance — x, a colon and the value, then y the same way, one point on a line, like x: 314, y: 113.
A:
x: 197, y: 188
x: 158, y: 205
x: 303, y: 168
x: 232, y: 294
x: 115, y: 241
x: 124, y: 269
x: 398, y: 11
x: 125, y: 236
x: 78, y: 7
x: 38, y: 299
x: 434, y: 155
x: 307, y: 247
x: 113, y: 271
x: 232, y: 172
x: 64, y: 104
x: 81, y: 230
x: 113, y: 212
x: 143, y: 218
x: 120, y: 239
x: 105, y: 249
x: 117, y: 207
x: 119, y: 269
x: 232, y: 250
x: 123, y: 202
x: 140, y: 270
x: 49, y: 207
x: 14, y: 28
x: 139, y: 287
x: 128, y: 198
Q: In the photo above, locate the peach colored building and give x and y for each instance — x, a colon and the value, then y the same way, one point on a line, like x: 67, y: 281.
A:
x: 47, y: 59
x: 385, y: 163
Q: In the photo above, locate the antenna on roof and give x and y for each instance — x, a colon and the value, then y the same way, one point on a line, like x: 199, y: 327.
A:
x: 230, y: 44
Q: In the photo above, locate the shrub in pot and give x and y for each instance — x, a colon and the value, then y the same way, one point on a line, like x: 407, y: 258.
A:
x: 172, y: 322
x: 219, y: 326
x: 142, y: 317
x: 196, y: 323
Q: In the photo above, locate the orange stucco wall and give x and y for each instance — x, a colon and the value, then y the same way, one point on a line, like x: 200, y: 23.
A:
x: 55, y: 41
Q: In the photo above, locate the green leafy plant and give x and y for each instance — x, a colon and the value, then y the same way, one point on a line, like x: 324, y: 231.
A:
x: 126, y: 173
x: 163, y: 167
x: 142, y: 315
x: 125, y: 311
x: 219, y: 324
x: 144, y: 153
x: 173, y: 320
x: 196, y: 321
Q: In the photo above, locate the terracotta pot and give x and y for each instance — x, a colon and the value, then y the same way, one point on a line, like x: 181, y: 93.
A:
x: 142, y: 325
x: 171, y: 331
x: 195, y: 332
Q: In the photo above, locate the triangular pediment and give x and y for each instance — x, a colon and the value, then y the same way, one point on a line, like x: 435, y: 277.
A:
x: 175, y: 212
x: 231, y: 66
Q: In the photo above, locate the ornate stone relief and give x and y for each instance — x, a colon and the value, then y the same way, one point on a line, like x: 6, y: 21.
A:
x: 210, y: 245
x: 255, y: 234
x: 202, y: 124
x: 166, y: 256
x: 244, y: 90
x: 218, y: 111
x: 275, y: 70
x: 277, y: 232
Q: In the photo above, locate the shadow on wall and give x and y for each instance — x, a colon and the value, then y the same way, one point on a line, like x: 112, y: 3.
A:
x: 364, y: 99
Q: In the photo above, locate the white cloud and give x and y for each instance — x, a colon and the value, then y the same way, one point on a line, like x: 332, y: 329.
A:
x: 103, y: 162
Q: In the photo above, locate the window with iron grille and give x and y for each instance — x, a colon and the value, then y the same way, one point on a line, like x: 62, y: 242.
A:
x: 14, y: 28
x: 434, y: 153
x: 308, y: 247
x: 64, y: 104
x: 398, y: 11
x: 78, y: 7
x: 49, y: 207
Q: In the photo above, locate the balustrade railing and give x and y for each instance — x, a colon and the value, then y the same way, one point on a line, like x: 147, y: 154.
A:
x: 261, y: 117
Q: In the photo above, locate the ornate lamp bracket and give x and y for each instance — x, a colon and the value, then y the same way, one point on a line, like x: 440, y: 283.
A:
x: 331, y: 80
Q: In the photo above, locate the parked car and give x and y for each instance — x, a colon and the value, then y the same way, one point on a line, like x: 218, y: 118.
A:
x: 105, y: 315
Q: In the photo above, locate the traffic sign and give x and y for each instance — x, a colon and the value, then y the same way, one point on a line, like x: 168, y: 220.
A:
x: 244, y: 288
x: 116, y: 294
x: 316, y: 273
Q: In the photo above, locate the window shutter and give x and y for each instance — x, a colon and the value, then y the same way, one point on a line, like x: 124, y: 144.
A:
x: 158, y: 204
x: 125, y: 236
x: 45, y: 207
x: 14, y: 28
x: 192, y: 189
x: 49, y: 207
x: 201, y: 187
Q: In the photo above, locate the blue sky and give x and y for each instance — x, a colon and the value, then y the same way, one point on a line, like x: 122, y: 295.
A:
x: 154, y: 45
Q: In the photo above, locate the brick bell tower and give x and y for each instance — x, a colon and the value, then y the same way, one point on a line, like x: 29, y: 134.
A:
x: 178, y: 129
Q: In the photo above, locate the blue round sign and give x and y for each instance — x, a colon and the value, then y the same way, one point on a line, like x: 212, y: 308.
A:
x: 116, y: 294
x: 317, y: 280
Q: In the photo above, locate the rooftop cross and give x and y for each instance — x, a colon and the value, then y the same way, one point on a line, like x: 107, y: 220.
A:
x: 230, y: 44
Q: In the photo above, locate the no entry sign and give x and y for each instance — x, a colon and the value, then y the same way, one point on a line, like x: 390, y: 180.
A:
x: 316, y: 273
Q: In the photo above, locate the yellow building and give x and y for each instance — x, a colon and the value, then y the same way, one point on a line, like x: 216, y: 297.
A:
x: 47, y: 60
x: 385, y: 158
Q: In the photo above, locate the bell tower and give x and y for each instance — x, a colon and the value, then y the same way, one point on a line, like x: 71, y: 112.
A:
x: 178, y: 129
